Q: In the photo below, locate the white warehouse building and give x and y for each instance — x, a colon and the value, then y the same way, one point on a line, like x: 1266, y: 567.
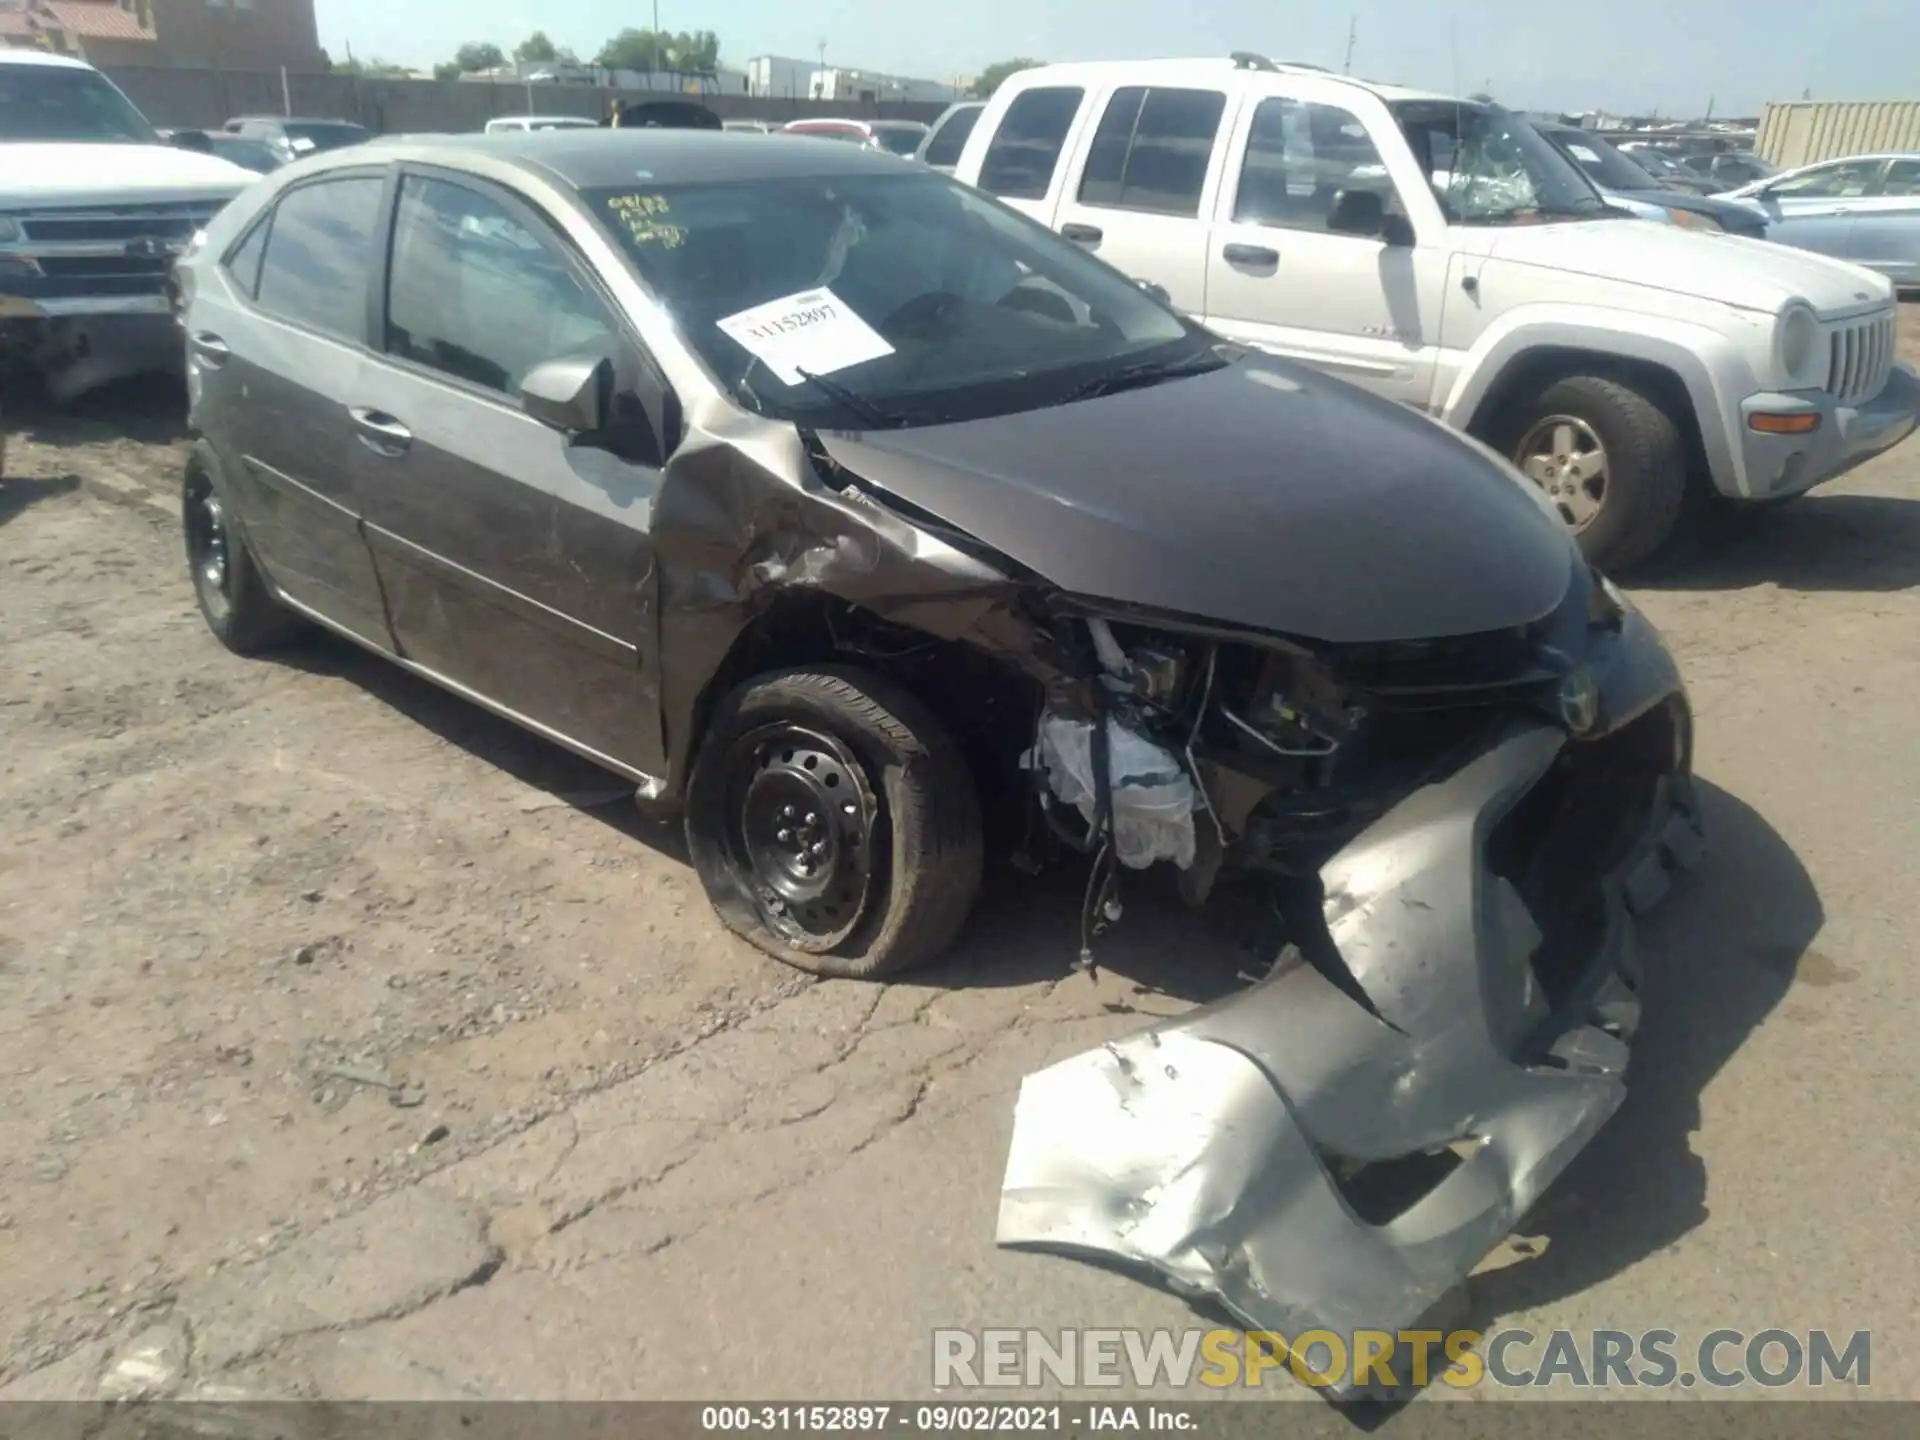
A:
x: 789, y: 79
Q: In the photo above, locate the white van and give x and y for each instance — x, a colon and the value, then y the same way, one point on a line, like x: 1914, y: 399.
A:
x: 1444, y: 254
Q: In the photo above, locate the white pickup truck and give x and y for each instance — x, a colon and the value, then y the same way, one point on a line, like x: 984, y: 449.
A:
x: 1445, y: 254
x: 94, y: 207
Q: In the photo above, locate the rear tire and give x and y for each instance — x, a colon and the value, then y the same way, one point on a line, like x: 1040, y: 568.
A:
x: 833, y: 822
x: 1611, y: 459
x: 233, y: 595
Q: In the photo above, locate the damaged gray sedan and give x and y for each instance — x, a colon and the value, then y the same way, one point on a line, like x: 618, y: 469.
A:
x: 864, y: 518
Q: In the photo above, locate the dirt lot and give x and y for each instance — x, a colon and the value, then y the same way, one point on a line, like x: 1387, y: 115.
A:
x: 352, y: 1042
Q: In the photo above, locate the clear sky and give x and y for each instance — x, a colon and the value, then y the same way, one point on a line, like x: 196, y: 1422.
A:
x: 1666, y: 55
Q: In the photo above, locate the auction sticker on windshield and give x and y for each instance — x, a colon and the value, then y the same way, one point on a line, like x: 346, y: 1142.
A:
x: 813, y: 330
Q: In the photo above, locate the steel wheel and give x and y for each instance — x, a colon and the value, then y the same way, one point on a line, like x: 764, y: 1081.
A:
x: 801, y: 823
x: 208, y: 547
x: 1563, y: 456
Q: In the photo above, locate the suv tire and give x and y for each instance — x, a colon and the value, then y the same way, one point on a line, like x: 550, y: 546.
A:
x: 1558, y: 435
x: 833, y: 822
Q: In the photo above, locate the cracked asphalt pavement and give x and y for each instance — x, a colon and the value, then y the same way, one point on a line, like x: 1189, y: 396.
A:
x: 354, y: 1044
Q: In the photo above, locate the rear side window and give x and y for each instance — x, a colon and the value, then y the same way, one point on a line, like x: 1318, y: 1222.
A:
x: 244, y: 263
x: 1151, y: 150
x: 951, y: 138
x: 320, y: 254
x: 1021, y: 158
x: 1903, y: 178
x: 476, y: 295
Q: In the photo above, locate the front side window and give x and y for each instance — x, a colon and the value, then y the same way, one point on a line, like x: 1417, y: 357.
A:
x: 917, y: 296
x: 951, y: 138
x: 1300, y: 158
x: 40, y: 103
x: 1151, y: 150
x: 320, y: 255
x: 1903, y: 178
x: 476, y: 295
x: 1489, y: 166
x: 1829, y: 182
x: 1025, y: 149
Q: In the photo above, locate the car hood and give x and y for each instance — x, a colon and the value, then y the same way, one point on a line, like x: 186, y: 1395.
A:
x: 1724, y: 211
x: 1258, y: 495
x: 1717, y: 267
x: 107, y: 174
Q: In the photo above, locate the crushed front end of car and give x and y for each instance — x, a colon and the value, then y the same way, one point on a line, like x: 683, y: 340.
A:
x: 1458, y: 835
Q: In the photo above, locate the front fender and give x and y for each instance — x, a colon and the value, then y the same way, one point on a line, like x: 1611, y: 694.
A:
x: 1710, y: 364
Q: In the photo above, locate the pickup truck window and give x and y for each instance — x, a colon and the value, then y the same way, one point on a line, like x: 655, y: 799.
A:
x: 39, y: 103
x: 1299, y: 157
x: 1151, y: 149
x: 1025, y: 150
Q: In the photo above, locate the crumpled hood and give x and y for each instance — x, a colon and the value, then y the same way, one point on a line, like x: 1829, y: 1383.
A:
x: 1260, y: 495
x: 1750, y: 274
x: 33, y: 174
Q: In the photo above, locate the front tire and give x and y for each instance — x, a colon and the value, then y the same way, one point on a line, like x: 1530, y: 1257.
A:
x: 833, y: 822
x: 1610, y: 458
x: 233, y: 596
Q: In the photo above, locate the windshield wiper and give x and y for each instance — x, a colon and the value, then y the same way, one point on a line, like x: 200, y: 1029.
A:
x: 1146, y: 372
x: 874, y: 415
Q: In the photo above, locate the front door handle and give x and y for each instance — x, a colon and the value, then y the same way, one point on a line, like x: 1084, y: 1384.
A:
x: 211, y: 348
x: 1081, y: 234
x: 1250, y: 255
x: 380, y: 432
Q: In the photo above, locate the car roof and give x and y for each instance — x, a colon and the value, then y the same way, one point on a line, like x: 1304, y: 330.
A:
x: 41, y: 57
x: 1208, y: 70
x: 603, y: 157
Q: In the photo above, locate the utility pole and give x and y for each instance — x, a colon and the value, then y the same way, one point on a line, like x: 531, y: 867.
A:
x: 1353, y: 30
x: 820, y: 75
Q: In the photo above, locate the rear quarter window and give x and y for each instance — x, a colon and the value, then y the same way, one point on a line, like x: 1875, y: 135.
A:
x: 946, y: 143
x: 1025, y: 149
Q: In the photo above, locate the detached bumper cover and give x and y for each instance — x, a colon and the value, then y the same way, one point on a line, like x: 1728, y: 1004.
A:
x: 1227, y: 1150
x: 1847, y: 436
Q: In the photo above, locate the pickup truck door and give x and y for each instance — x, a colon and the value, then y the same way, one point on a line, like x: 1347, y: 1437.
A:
x: 1365, y: 307
x: 1141, y: 180
x: 1886, y: 225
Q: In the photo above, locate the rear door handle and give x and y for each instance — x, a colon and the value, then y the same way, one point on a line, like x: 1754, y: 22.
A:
x: 211, y: 348
x: 380, y: 432
x: 1250, y: 255
x: 1081, y: 234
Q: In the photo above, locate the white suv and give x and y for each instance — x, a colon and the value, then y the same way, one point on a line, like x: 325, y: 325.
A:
x: 1446, y: 255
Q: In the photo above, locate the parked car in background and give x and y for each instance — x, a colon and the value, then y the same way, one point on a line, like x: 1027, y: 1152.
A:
x: 290, y: 138
x: 1865, y: 209
x: 519, y: 124
x: 1445, y: 254
x: 844, y: 506
x: 94, y: 206
x: 1665, y: 168
x: 1626, y: 184
x: 1732, y: 168
x: 750, y: 127
x: 896, y: 137
x: 940, y: 147
x: 254, y: 155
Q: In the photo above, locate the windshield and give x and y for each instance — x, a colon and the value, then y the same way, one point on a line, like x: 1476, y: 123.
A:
x: 250, y: 154
x: 901, y: 140
x: 1609, y: 167
x: 1489, y: 166
x: 52, y: 102
x: 922, y: 299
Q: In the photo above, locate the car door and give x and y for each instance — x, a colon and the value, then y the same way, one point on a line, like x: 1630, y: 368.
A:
x: 1137, y: 188
x: 515, y: 560
x: 276, y: 353
x: 1886, y: 225
x: 1813, y: 209
x: 1366, y: 307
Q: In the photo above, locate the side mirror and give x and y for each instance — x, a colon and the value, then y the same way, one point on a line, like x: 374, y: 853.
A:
x: 191, y: 140
x: 569, y: 395
x: 1156, y: 290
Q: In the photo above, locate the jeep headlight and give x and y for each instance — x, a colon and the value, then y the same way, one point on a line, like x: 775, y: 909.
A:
x: 1694, y: 220
x: 1796, y: 345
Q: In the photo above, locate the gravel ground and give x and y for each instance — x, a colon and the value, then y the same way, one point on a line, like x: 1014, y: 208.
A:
x: 280, y: 940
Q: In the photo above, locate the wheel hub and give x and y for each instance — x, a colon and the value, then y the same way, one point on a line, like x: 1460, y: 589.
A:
x: 209, y: 549
x: 1563, y: 455
x: 803, y: 823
